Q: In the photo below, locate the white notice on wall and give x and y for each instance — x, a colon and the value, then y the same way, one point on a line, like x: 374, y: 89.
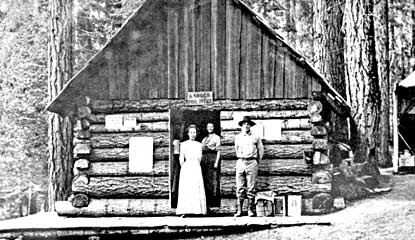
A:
x: 258, y: 129
x: 113, y: 121
x: 294, y: 205
x: 140, y: 154
x: 272, y: 129
x: 130, y: 122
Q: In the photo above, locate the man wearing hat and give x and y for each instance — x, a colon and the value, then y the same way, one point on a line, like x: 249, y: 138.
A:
x: 249, y: 151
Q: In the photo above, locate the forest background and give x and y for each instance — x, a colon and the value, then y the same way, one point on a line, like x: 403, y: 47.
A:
x: 24, y: 30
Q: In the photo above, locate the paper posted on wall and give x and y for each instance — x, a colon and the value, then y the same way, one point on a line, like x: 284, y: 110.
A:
x: 140, y: 154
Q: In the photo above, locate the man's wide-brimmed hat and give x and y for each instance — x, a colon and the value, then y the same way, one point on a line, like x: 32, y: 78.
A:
x: 247, y: 119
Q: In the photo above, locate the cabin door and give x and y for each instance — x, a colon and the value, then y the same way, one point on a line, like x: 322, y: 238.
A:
x: 179, y: 121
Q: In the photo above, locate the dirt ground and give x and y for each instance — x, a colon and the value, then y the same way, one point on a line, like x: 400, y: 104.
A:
x: 387, y: 216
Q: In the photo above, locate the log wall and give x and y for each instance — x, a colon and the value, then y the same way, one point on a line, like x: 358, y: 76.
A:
x: 105, y: 174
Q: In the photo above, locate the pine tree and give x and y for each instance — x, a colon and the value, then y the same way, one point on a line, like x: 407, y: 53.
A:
x: 381, y: 11
x: 362, y: 86
x: 60, y: 128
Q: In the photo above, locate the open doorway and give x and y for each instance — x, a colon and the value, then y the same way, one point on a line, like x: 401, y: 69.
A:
x: 179, y: 121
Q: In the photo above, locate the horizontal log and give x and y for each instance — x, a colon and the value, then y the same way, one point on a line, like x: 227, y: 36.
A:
x: 287, y: 124
x: 227, y: 152
x: 158, y: 187
x: 79, y: 200
x: 122, y: 154
x: 321, y: 177
x: 270, y: 114
x: 315, y: 107
x: 77, y: 141
x: 160, y: 105
x: 320, y: 158
x: 308, y: 156
x: 316, y: 118
x: 290, y: 136
x: 83, y: 134
x: 81, y: 150
x: 160, y: 168
x: 80, y: 180
x: 81, y: 164
x: 82, y: 124
x: 141, y: 127
x: 271, y: 151
x: 133, y: 207
x: 121, y: 140
x: 141, y: 117
x: 83, y: 112
x: 267, y: 167
x: 320, y: 144
x: 318, y: 131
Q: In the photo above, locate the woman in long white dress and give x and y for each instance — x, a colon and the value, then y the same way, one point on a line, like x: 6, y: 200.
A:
x: 192, y: 198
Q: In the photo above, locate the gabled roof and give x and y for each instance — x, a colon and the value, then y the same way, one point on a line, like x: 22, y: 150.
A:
x: 76, y: 87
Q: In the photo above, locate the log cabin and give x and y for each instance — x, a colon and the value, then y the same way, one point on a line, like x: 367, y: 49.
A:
x: 177, y: 62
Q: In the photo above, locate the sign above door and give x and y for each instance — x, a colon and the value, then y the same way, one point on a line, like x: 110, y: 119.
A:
x: 199, y: 98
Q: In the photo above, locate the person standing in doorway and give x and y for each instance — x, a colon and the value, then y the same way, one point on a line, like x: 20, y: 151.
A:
x: 249, y: 151
x: 211, y: 166
x: 192, y: 198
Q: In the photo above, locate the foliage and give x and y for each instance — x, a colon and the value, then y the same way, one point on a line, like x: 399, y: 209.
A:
x: 95, y: 22
x: 292, y: 19
x: 23, y: 128
x: 402, y: 54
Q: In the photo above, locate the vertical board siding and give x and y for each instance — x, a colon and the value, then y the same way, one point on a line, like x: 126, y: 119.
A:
x: 162, y: 73
x: 268, y: 67
x: 183, y: 52
x: 299, y: 89
x: 200, y: 45
x: 279, y: 82
x: 214, y: 48
x: 192, y: 48
x: 254, y: 63
x: 220, y: 43
x: 305, y: 84
x: 264, y: 65
x: 205, y: 39
x: 148, y: 48
x: 309, y: 82
x: 244, y: 84
x: 133, y: 70
x: 113, y: 83
x: 198, y: 42
x: 152, y: 59
x: 316, y: 86
x: 289, y: 75
x: 172, y: 39
x: 99, y: 81
x: 233, y: 50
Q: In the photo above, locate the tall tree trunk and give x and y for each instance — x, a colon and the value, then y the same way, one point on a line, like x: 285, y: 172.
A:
x: 329, y: 58
x: 362, y: 86
x: 382, y: 56
x: 329, y: 42
x: 60, y: 129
